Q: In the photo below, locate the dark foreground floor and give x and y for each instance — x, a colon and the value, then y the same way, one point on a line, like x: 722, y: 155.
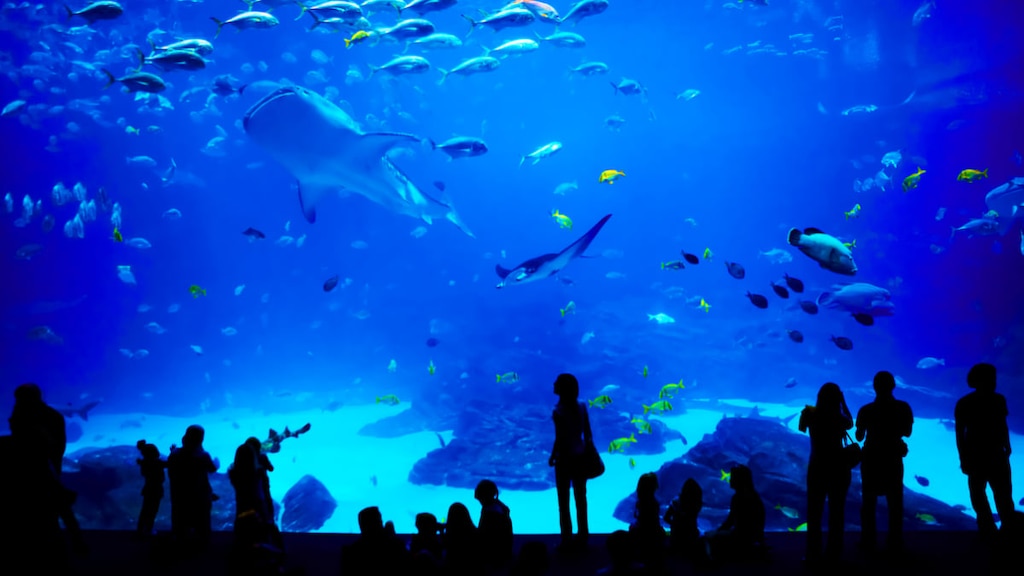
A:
x: 928, y: 553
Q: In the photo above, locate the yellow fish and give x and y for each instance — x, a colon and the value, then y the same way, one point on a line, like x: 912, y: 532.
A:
x: 704, y: 305
x: 726, y: 476
x: 601, y: 401
x: 707, y: 254
x: 926, y: 518
x: 357, y: 38
x: 610, y: 176
x: 117, y: 235
x: 431, y: 368
x: 632, y: 463
x: 851, y: 245
x: 659, y: 407
x: 972, y: 175
x: 645, y: 371
x: 563, y: 220
x: 132, y: 130
x: 196, y: 291
x: 389, y: 399
x: 570, y: 308
x: 853, y: 213
x: 911, y: 182
x: 800, y: 528
x: 669, y: 390
x: 619, y: 444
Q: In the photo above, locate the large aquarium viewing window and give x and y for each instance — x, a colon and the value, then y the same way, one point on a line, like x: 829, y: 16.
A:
x: 369, y: 237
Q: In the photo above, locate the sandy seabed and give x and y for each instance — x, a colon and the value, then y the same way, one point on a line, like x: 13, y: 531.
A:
x: 361, y: 471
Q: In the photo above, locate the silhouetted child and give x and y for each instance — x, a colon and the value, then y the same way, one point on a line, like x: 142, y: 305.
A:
x: 681, y: 517
x: 461, y: 540
x: 742, y: 533
x: 427, y: 539
x: 647, y: 532
x: 495, y: 525
x: 376, y: 551
x: 152, y: 469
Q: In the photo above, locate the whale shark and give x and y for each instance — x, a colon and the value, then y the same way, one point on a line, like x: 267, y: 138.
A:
x: 548, y: 265
x: 325, y: 150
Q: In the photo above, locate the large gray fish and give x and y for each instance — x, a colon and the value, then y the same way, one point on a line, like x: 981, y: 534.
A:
x: 324, y: 149
x: 1007, y: 200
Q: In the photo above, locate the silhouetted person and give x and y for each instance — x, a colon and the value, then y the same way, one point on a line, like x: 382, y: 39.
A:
x: 742, y: 533
x: 532, y: 560
x: 647, y: 532
x: 828, y: 476
x: 983, y: 441
x: 620, y: 557
x: 152, y: 469
x: 43, y: 428
x: 189, y: 469
x: 377, y: 551
x: 461, y: 540
x: 882, y: 425
x: 426, y: 546
x: 681, y: 516
x: 572, y: 433
x: 495, y: 525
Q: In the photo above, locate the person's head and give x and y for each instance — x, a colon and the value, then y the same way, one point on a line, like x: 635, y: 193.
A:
x: 884, y: 383
x: 741, y: 479
x: 371, y: 523
x: 28, y: 393
x: 647, y: 485
x: 567, y: 387
x: 426, y: 523
x: 254, y: 444
x: 486, y: 491
x: 245, y: 458
x: 458, y: 518
x: 691, y: 491
x: 830, y: 398
x: 982, y: 377
x: 194, y: 436
x: 148, y: 451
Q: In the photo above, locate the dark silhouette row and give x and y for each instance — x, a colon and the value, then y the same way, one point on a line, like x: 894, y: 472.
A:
x: 457, y: 547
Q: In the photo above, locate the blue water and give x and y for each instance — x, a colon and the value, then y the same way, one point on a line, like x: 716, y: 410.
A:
x: 731, y: 170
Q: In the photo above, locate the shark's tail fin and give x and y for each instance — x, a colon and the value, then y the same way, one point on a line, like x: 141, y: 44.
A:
x: 453, y: 217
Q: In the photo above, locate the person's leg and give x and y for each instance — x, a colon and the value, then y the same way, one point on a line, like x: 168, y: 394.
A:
x: 1002, y: 490
x: 868, y: 506
x: 579, y: 491
x: 894, y: 499
x: 837, y: 514
x: 816, y: 493
x: 976, y: 484
x: 562, y: 482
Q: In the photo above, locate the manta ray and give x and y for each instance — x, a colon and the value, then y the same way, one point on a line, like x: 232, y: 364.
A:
x: 548, y: 265
x: 324, y: 149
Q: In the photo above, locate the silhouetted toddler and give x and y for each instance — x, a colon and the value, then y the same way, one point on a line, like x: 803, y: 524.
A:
x: 427, y: 540
x: 152, y: 468
x: 681, y: 517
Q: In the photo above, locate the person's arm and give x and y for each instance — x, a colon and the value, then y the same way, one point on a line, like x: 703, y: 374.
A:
x: 1004, y: 430
x: 909, y: 422
x: 804, y: 419
x: 845, y: 411
x: 861, y: 425
x: 960, y: 426
x: 588, y: 435
x: 554, y: 444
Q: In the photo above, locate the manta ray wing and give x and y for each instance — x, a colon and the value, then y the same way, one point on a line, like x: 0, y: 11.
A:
x: 551, y: 264
x: 323, y: 148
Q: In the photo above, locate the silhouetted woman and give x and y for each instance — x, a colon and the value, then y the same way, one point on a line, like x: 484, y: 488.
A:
x: 827, y: 475
x: 742, y: 533
x: 572, y: 432
x: 188, y: 470
x: 648, y: 533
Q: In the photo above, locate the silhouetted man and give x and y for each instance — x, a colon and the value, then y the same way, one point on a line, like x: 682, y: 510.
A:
x: 983, y: 441
x: 885, y: 422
